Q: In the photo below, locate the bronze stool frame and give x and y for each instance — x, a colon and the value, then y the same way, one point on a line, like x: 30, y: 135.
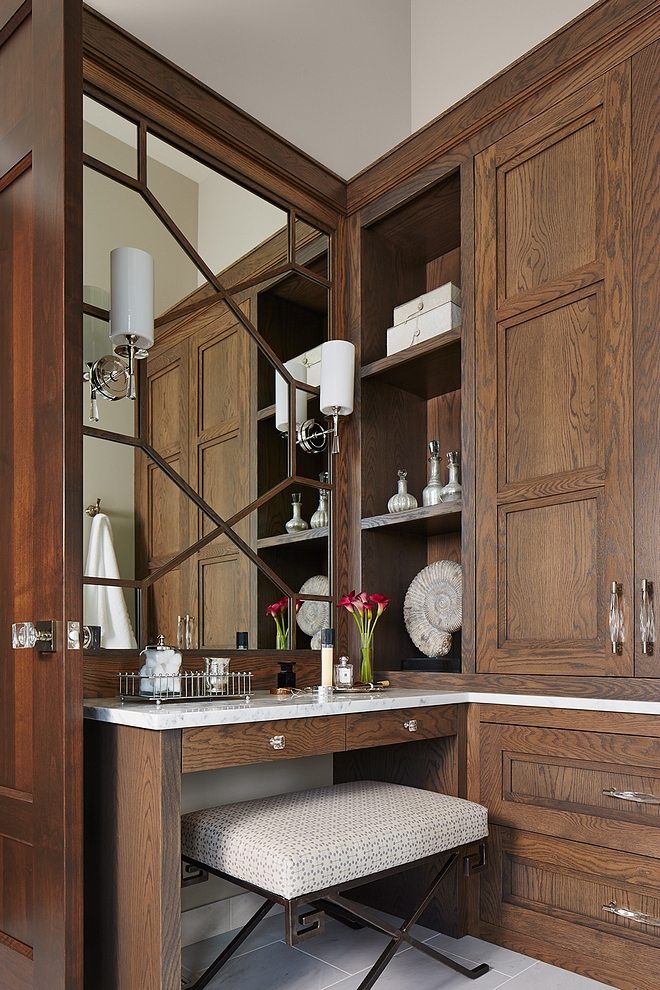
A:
x: 330, y: 901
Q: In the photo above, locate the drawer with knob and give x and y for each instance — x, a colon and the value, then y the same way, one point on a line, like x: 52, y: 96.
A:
x: 399, y: 725
x: 212, y: 746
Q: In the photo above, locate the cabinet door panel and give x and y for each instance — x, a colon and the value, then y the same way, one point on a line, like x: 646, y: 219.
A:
x: 554, y: 388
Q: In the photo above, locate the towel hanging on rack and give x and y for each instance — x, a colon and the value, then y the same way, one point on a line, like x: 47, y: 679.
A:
x: 102, y: 605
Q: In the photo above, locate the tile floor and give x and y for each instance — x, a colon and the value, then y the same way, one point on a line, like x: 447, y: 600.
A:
x: 341, y: 957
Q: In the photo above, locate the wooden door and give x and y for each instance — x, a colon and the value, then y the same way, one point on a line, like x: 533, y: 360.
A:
x: 41, y: 529
x: 554, y: 388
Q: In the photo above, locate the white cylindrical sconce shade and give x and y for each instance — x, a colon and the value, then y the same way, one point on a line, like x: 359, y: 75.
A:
x: 132, y: 297
x: 337, y: 377
x: 299, y: 372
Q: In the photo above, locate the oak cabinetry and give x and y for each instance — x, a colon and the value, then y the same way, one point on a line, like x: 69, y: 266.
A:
x: 554, y: 385
x: 573, y: 801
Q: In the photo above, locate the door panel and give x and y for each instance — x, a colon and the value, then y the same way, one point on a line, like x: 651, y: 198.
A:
x: 554, y: 387
x: 40, y: 323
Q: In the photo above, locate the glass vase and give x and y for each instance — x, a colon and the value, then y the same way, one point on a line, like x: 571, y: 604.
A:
x: 366, y: 670
x: 280, y: 640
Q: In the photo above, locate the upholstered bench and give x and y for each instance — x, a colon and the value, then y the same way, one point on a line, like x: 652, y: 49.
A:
x: 307, y: 846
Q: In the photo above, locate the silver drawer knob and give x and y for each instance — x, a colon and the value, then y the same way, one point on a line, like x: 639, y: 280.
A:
x: 411, y: 726
x: 278, y: 742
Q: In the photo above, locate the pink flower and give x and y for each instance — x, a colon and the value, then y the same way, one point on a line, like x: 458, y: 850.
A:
x: 362, y: 607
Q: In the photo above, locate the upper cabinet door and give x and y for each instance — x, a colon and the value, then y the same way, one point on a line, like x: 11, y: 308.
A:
x: 554, y: 389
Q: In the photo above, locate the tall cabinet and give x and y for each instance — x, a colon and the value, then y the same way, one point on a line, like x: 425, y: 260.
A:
x: 554, y: 380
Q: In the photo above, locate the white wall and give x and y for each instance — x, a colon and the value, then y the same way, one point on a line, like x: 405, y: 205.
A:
x: 457, y: 45
x: 332, y: 76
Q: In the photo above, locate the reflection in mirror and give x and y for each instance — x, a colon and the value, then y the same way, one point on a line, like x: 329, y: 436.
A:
x: 109, y: 137
x: 115, y: 216
x: 312, y: 248
x: 104, y: 412
x: 222, y: 220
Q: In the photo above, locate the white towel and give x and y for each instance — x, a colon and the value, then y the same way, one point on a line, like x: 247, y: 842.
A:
x: 102, y: 605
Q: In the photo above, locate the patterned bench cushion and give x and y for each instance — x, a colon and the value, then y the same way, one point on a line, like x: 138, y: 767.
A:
x: 299, y: 843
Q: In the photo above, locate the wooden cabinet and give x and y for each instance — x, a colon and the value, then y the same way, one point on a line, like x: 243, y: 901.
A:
x: 574, y: 839
x: 554, y: 380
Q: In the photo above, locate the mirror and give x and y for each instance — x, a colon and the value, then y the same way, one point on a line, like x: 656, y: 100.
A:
x: 200, y: 448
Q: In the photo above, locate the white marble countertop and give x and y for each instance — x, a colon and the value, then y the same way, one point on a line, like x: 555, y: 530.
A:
x: 264, y: 706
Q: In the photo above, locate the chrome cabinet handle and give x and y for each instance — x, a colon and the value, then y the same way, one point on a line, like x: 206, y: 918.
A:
x: 646, y: 618
x: 278, y: 742
x: 616, y: 618
x: 411, y: 726
x: 638, y: 796
x: 643, y: 919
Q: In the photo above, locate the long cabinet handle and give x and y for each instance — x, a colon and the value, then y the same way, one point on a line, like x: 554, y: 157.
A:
x: 646, y: 618
x: 616, y: 618
x: 643, y: 919
x: 638, y: 796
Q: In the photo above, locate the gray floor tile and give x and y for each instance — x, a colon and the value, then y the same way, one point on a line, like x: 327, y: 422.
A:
x: 473, y: 949
x: 544, y: 977
x: 346, y: 948
x: 275, y: 967
x: 411, y: 970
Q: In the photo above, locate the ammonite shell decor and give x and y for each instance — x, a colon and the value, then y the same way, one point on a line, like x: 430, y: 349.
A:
x: 314, y: 616
x: 433, y: 607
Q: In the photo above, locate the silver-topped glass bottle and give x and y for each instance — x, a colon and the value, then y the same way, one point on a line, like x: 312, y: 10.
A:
x: 432, y: 494
x: 320, y: 517
x: 453, y: 489
x: 403, y: 500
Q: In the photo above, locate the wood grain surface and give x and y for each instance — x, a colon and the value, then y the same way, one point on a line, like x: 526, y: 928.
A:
x: 387, y: 728
x: 209, y: 747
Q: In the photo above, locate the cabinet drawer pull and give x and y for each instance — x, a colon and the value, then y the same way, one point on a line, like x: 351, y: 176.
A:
x: 643, y: 919
x: 278, y: 742
x: 616, y: 618
x: 411, y: 726
x: 639, y: 796
x: 646, y: 618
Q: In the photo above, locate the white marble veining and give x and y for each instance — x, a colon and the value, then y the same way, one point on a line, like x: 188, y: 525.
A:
x: 263, y: 707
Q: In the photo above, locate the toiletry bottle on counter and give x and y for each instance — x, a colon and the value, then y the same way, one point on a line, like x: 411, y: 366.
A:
x: 327, y: 656
x: 343, y: 673
x: 241, y: 641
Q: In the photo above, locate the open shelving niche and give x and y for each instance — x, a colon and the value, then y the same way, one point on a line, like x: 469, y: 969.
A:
x: 292, y: 315
x: 408, y: 399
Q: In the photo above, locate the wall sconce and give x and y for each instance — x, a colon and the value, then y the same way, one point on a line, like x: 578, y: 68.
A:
x: 131, y: 306
x: 336, y: 395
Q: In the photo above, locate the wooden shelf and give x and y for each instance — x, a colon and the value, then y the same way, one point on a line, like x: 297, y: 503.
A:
x: 285, y: 539
x: 268, y: 412
x: 427, y: 369
x: 430, y: 520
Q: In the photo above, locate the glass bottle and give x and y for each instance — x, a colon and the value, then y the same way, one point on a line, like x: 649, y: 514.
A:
x: 403, y: 500
x: 343, y: 673
x: 431, y: 495
x: 320, y: 517
x: 453, y: 489
x: 296, y: 523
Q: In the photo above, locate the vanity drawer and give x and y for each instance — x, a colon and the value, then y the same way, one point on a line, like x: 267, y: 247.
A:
x: 212, y: 746
x: 564, y: 894
x: 592, y: 785
x: 398, y: 726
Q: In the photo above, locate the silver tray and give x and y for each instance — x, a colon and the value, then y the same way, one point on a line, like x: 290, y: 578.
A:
x: 185, y: 686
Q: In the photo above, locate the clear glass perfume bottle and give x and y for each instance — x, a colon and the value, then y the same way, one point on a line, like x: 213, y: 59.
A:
x: 453, y: 489
x: 432, y: 494
x: 296, y: 523
x: 403, y: 500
